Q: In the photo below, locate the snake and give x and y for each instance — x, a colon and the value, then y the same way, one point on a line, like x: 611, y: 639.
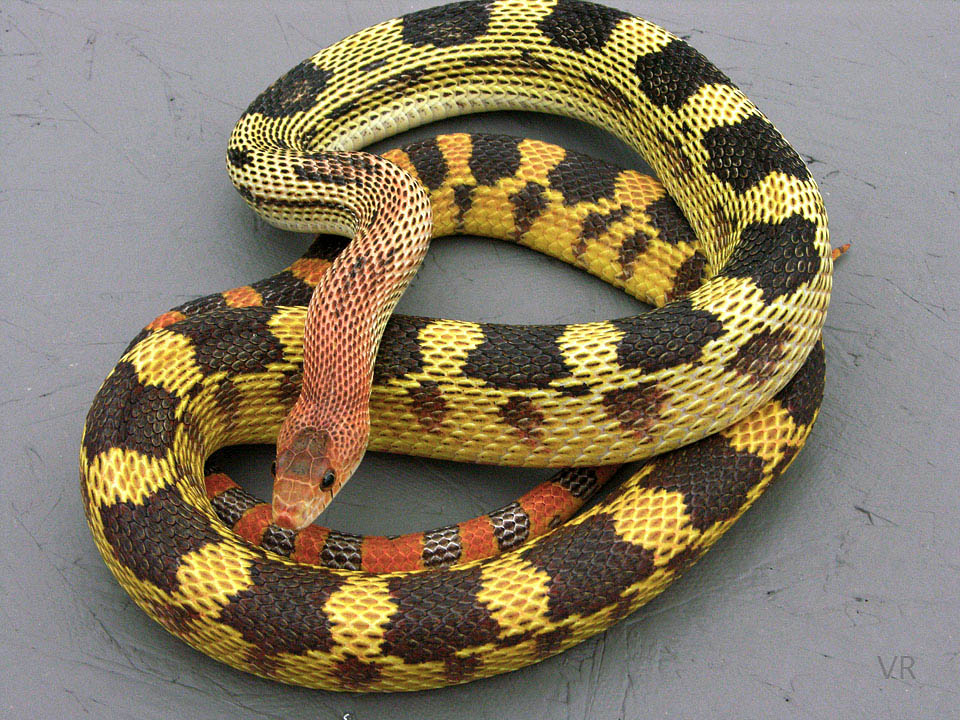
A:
x: 721, y: 380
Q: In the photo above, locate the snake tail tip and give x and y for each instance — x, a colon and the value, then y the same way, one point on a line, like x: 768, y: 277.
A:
x: 838, y: 251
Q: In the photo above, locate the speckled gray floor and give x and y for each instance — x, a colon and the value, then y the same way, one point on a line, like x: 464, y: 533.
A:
x: 115, y: 206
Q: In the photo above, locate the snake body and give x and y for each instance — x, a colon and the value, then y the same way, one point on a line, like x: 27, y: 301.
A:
x: 711, y: 359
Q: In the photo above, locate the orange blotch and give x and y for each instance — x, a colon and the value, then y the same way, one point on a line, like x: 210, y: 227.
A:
x: 477, y: 539
x: 382, y: 554
x: 309, y: 544
x: 251, y: 526
x: 166, y: 320
x: 399, y: 157
x: 546, y: 505
x: 309, y: 270
x: 244, y: 296
x: 216, y: 483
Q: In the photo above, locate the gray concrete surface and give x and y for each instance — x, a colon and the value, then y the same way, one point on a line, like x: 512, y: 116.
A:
x: 115, y: 205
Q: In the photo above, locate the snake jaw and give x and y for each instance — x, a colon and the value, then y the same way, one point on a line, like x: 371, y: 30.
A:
x: 306, y: 478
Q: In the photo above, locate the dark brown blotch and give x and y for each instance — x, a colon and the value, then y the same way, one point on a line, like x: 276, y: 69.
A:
x: 174, y: 617
x: 518, y: 357
x: 590, y: 566
x: 261, y: 662
x: 689, y: 276
x: 356, y: 674
x: 523, y: 415
x: 130, y: 415
x: 760, y: 355
x: 428, y: 404
x: 595, y: 224
x: 460, y: 668
x: 441, y: 547
x: 713, y: 477
x: 494, y: 157
x: 437, y: 615
x: 511, y: 526
x: 388, y: 88
x: 744, y: 153
x: 447, y: 25
x: 528, y: 204
x: 671, y: 225
x: 802, y: 395
x: 630, y: 249
x: 232, y: 340
x: 282, y: 610
x: 279, y: 540
x: 580, y: 26
x: 777, y: 257
x: 327, y: 247
x: 684, y: 559
x: 207, y: 303
x: 580, y: 178
x: 463, y: 199
x: 674, y: 73
x: 636, y: 408
x: 296, y: 91
x: 232, y: 504
x: 239, y: 157
x: 428, y: 161
x: 579, y: 482
x: 342, y: 551
x: 291, y: 383
x: 609, y: 93
x: 227, y: 397
x: 150, y: 538
x: 399, y: 353
x: 666, y: 337
x: 789, y: 453
x: 550, y: 642
x: 284, y: 288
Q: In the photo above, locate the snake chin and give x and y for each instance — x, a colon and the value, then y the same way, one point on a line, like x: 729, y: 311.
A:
x: 306, y: 478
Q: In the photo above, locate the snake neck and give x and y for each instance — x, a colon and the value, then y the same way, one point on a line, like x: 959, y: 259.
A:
x: 324, y: 437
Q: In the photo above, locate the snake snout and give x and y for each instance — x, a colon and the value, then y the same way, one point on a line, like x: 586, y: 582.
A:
x: 288, y: 518
x: 298, y: 500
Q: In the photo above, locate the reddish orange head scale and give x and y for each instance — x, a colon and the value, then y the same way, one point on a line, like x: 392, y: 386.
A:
x: 306, y: 477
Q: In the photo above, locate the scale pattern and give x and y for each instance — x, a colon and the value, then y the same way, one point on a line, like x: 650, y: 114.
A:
x: 200, y: 377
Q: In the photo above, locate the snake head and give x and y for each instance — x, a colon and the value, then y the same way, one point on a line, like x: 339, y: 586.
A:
x: 306, y: 477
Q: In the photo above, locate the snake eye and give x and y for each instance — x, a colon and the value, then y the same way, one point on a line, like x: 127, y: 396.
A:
x: 328, y: 479
x: 273, y: 468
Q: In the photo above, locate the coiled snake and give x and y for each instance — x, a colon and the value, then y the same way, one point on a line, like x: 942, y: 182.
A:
x: 712, y: 357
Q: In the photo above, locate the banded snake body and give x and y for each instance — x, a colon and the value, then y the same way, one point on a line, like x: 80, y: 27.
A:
x: 729, y: 359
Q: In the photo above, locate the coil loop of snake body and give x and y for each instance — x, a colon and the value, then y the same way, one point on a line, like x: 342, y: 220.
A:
x: 729, y: 359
